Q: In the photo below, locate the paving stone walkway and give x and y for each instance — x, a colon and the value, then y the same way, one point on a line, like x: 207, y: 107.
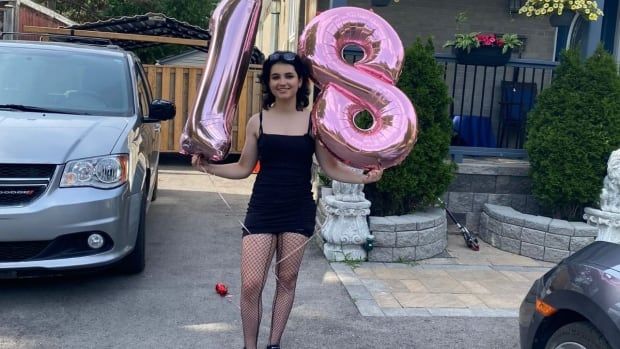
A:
x: 460, y: 282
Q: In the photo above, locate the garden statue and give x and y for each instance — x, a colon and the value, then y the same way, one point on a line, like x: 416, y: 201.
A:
x: 345, y: 228
x: 608, y: 217
x: 610, y: 197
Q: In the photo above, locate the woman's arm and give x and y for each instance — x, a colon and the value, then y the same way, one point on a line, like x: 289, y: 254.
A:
x: 334, y: 169
x: 247, y: 161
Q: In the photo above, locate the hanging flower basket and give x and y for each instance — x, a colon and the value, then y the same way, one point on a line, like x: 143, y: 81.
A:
x: 563, y: 20
x: 589, y: 9
x: 484, y: 55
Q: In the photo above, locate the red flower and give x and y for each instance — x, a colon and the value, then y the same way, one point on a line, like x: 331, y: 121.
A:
x: 500, y: 42
x: 486, y: 39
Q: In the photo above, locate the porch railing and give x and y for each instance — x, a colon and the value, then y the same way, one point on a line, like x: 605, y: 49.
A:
x: 490, y: 104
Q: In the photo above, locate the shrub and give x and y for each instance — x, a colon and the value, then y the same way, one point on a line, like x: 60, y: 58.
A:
x: 572, y: 129
x: 424, y: 174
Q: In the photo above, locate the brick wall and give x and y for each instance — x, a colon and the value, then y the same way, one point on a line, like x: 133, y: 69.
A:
x: 423, y: 18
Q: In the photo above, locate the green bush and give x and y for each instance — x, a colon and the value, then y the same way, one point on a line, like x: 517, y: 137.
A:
x: 571, y: 131
x: 424, y: 174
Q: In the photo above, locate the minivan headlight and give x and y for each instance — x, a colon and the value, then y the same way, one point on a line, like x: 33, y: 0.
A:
x: 102, y: 172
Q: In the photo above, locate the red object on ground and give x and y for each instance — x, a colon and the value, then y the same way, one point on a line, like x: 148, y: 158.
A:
x: 221, y: 289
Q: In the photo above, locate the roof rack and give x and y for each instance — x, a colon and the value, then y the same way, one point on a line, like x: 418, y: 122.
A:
x: 114, y: 36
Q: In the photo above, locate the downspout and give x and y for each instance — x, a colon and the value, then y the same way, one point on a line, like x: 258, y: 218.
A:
x: 9, y: 22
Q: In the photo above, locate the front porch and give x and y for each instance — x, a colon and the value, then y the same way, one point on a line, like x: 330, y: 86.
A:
x: 490, y: 104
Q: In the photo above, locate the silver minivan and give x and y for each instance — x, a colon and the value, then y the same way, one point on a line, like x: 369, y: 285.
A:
x: 79, y: 150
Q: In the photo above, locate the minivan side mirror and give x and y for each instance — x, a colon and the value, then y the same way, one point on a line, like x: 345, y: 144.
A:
x: 162, y: 110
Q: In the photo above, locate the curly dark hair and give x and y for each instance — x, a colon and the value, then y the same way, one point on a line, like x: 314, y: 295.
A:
x: 302, y: 69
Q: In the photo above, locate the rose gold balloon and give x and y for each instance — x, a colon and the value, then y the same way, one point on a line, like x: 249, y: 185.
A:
x: 233, y: 27
x: 367, y: 85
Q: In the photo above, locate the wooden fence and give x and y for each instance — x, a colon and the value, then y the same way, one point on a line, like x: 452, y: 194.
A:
x: 179, y: 84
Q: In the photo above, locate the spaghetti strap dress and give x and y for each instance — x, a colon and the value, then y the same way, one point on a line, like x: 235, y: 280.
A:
x: 282, y: 198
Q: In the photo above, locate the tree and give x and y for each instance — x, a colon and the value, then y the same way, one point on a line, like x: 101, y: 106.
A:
x: 424, y: 174
x: 195, y: 12
x: 571, y: 131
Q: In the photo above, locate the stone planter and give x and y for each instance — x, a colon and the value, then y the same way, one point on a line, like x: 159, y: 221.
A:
x: 409, y: 237
x: 532, y: 236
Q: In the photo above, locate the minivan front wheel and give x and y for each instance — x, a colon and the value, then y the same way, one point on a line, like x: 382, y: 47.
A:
x: 577, y: 335
x: 135, y: 261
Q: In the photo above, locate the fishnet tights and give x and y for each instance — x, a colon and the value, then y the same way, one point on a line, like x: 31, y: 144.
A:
x: 256, y: 253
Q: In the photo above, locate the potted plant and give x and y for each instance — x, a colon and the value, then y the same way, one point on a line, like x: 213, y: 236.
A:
x: 561, y: 12
x: 483, y: 48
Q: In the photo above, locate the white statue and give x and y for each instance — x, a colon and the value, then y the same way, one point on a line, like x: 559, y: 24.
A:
x: 345, y: 229
x: 607, y: 219
x: 610, y: 197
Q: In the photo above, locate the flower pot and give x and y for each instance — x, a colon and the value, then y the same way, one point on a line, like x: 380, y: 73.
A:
x: 488, y: 56
x: 563, y: 20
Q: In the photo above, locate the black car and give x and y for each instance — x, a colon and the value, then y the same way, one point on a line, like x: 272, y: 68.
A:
x: 576, y: 304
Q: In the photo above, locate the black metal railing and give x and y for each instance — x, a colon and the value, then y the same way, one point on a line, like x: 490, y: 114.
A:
x: 490, y: 104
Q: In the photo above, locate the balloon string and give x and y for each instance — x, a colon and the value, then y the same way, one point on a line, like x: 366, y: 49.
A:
x: 209, y: 175
x: 229, y: 299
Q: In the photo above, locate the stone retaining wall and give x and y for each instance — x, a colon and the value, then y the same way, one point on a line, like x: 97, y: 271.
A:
x: 537, y: 237
x: 477, y: 182
x: 410, y: 237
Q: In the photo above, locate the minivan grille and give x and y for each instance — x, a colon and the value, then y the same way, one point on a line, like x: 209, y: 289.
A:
x: 26, y: 171
x: 20, y: 184
x: 21, y: 251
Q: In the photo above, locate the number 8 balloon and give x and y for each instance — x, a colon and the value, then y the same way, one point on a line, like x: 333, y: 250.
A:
x: 347, y: 90
x: 208, y: 129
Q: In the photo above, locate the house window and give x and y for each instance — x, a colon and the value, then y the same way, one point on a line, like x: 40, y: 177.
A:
x: 293, y: 18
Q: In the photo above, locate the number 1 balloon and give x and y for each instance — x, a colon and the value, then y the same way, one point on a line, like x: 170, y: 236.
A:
x: 366, y: 85
x: 208, y: 130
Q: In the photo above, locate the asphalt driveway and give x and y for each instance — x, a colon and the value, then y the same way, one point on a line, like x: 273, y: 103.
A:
x: 193, y: 243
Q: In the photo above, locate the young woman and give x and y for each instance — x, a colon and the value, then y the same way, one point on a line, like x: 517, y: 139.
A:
x: 281, y: 213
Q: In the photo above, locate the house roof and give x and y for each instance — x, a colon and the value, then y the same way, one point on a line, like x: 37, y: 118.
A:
x: 47, y: 11
x: 156, y: 24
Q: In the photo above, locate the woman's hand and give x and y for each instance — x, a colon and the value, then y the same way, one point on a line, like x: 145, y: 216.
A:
x: 198, y: 162
x: 372, y: 176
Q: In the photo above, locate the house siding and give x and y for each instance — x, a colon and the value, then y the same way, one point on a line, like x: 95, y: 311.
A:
x: 28, y: 16
x: 436, y: 18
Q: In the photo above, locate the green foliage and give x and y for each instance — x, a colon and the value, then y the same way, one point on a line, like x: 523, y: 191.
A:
x: 572, y: 129
x: 324, y: 180
x: 464, y: 41
x: 424, y: 174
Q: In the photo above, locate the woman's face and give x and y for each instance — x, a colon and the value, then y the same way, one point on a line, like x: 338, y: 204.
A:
x: 284, y: 81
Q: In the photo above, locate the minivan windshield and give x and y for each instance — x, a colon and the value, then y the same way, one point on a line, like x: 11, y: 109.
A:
x: 58, y: 81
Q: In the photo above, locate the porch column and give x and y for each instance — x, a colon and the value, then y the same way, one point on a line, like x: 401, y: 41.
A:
x: 595, y: 29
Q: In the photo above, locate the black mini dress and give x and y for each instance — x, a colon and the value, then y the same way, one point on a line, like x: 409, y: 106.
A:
x: 282, y: 198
